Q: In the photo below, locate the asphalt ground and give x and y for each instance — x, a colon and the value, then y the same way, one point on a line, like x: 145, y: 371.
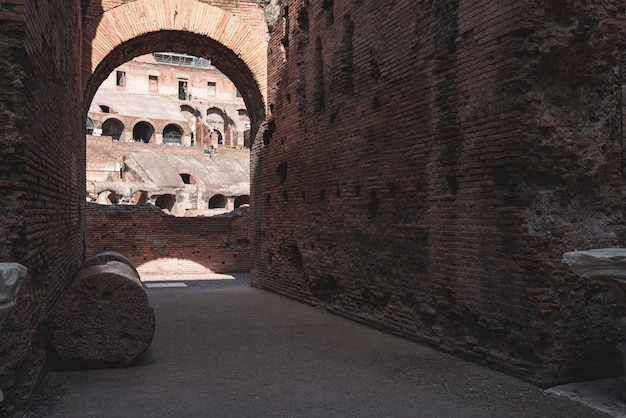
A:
x: 224, y: 349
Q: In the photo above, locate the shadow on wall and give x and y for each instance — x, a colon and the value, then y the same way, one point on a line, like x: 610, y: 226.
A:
x: 154, y: 241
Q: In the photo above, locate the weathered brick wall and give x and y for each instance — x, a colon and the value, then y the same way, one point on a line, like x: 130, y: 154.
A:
x: 427, y: 163
x: 42, y: 172
x: 144, y: 233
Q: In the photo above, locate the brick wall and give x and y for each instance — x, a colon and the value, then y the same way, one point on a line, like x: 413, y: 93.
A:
x: 144, y: 233
x: 42, y: 172
x: 425, y: 165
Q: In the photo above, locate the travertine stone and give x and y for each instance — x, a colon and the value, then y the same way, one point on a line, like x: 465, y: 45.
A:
x: 103, y: 316
x: 10, y: 280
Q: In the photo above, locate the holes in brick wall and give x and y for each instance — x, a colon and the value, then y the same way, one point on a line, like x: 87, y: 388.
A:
x: 323, y: 288
x: 453, y: 184
x: 269, y: 131
x: 392, y: 189
x: 329, y: 6
x: 357, y: 191
x: 285, y: 195
x: 333, y: 117
x: 346, y: 58
x: 303, y: 19
x: 376, y: 103
x: 374, y: 67
x: 285, y: 40
x: 268, y: 198
x: 288, y: 98
x: 281, y: 171
x: 545, y: 179
x: 292, y: 255
x: 319, y: 94
x: 372, y: 204
x: 501, y: 177
x: 338, y: 192
x: 303, y: 194
x: 322, y: 195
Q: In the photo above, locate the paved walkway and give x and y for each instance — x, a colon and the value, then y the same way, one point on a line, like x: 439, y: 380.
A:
x: 224, y: 349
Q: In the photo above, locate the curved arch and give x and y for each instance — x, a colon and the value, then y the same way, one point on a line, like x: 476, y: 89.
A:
x: 89, y: 126
x: 166, y: 202
x: 172, y: 134
x: 237, y: 48
x: 113, y: 127
x: 107, y: 197
x: 139, y: 197
x: 242, y: 200
x: 143, y: 131
x: 218, y: 201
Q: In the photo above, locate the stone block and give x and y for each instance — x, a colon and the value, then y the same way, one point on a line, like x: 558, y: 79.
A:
x: 103, y: 316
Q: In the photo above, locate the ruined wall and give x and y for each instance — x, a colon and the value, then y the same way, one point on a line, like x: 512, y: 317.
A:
x: 42, y: 172
x: 427, y: 163
x: 144, y: 233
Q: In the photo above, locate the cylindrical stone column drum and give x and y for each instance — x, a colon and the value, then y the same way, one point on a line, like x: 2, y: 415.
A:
x: 103, y: 316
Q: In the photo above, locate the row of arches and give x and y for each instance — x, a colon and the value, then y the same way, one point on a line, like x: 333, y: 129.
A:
x: 167, y: 201
x: 142, y: 131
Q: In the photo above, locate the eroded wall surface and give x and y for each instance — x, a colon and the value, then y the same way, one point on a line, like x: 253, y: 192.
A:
x: 426, y: 164
x: 42, y: 175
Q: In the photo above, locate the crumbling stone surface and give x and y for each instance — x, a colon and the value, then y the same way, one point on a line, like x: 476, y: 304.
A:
x: 107, y: 256
x: 103, y: 316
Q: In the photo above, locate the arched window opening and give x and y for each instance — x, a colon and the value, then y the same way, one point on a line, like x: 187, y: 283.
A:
x: 166, y: 202
x: 243, y: 115
x: 242, y: 200
x: 139, y: 197
x: 143, y: 131
x: 107, y: 197
x: 113, y: 128
x: 215, y: 119
x: 187, y: 178
x: 172, y: 134
x: 218, y: 202
x: 89, y: 126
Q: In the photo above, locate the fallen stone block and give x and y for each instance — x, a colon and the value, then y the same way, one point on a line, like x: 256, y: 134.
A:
x: 103, y: 316
x: 106, y: 256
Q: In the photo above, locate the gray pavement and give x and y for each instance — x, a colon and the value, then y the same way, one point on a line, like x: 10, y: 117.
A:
x: 224, y: 349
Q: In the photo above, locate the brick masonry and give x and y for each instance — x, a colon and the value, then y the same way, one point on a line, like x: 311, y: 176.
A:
x: 144, y: 234
x: 426, y: 164
x: 423, y: 167
x: 42, y: 178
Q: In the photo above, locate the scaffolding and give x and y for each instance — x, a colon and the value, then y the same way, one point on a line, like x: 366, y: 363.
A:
x: 182, y: 60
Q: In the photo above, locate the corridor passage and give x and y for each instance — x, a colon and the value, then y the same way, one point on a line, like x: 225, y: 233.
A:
x: 224, y: 349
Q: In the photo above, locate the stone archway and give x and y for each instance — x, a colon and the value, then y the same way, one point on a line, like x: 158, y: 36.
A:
x: 113, y: 127
x: 143, y: 131
x: 236, y: 46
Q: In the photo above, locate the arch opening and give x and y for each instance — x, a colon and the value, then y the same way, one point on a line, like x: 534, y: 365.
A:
x: 218, y: 201
x: 143, y: 131
x: 172, y: 135
x: 242, y: 200
x: 166, y: 202
x: 113, y: 128
x: 232, y: 66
